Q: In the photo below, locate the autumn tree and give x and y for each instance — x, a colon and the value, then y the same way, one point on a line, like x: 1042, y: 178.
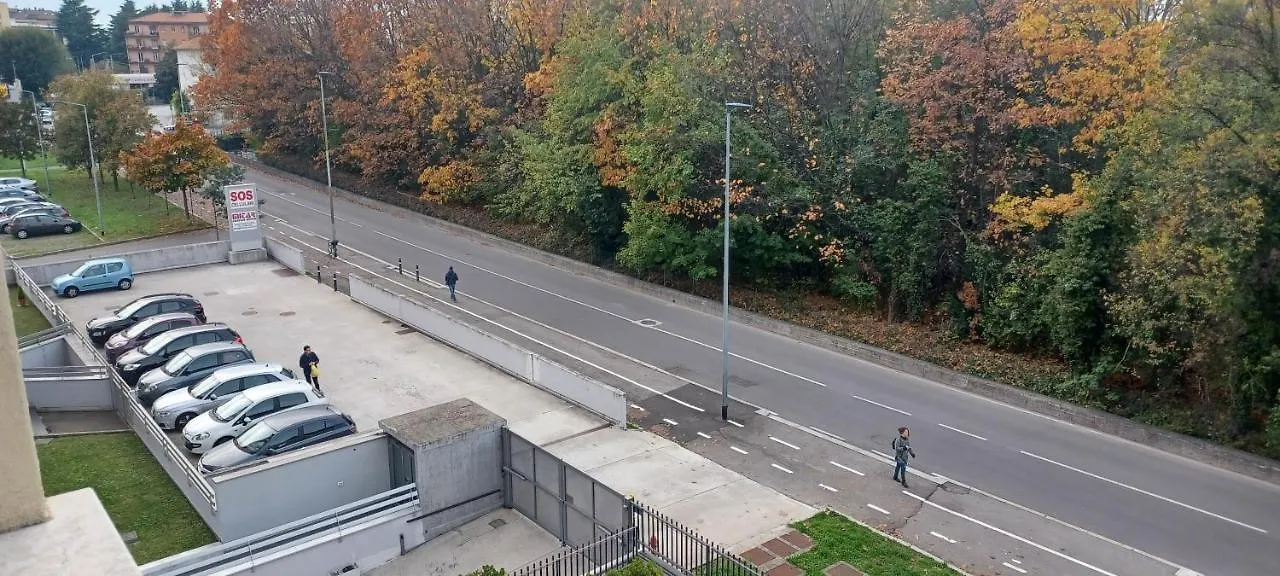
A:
x: 18, y: 136
x: 178, y: 161
x: 93, y: 90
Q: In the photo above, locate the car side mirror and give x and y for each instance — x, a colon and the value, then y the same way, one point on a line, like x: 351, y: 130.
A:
x: 213, y: 397
x: 242, y: 421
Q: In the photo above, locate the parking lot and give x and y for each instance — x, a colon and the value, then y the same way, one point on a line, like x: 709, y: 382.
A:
x: 371, y: 367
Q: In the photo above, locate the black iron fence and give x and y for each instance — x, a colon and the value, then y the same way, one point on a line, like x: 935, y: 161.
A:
x: 680, y: 550
x: 595, y: 557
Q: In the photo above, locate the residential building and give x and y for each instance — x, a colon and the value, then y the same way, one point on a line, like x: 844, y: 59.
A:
x: 150, y: 36
x: 191, y: 68
x: 4, y: 15
x: 34, y: 17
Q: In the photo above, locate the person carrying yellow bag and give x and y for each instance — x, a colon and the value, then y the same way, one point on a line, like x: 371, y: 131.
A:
x: 310, y: 364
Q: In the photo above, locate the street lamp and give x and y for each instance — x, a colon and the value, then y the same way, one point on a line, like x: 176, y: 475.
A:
x: 93, y: 59
x: 328, y: 171
x: 44, y: 153
x: 724, y: 377
x: 93, y: 164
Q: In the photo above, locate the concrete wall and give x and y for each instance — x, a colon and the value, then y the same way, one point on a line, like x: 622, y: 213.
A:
x: 143, y: 261
x: 294, y: 486
x: 21, y: 493
x: 70, y: 394
x: 285, y: 254
x: 598, y: 397
x: 56, y: 352
x: 457, y: 479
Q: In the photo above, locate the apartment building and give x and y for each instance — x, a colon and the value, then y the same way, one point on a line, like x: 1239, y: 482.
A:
x: 32, y: 17
x: 150, y: 36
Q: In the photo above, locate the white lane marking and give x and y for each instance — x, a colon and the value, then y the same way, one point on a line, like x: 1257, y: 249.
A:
x: 821, y: 431
x: 885, y: 406
x: 521, y: 334
x: 878, y: 509
x: 734, y: 422
x: 1020, y: 570
x: 827, y: 488
x: 943, y: 538
x: 670, y: 421
x: 738, y: 356
x: 882, y: 455
x: 1003, y: 532
x: 963, y: 432
x: 738, y: 450
x: 1141, y: 491
x: 639, y: 407
x: 784, y: 443
x: 316, y: 210
x: 845, y: 468
x: 782, y: 469
x: 705, y: 435
x: 1015, y: 560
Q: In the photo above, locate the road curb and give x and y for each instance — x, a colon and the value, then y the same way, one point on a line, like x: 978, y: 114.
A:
x: 1202, y: 451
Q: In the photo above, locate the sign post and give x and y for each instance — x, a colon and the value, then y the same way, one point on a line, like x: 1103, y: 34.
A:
x: 242, y: 217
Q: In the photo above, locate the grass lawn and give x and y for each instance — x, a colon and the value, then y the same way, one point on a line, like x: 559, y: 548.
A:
x: 14, y: 164
x: 136, y: 492
x: 837, y: 538
x: 126, y: 214
x: 26, y: 319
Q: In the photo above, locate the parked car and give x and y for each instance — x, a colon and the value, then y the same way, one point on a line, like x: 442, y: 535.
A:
x: 277, y: 434
x: 95, y: 275
x: 103, y: 327
x: 27, y: 225
x: 173, y: 410
x: 142, y: 332
x: 133, y: 364
x: 15, y: 192
x: 23, y: 183
x: 188, y: 367
x: 10, y: 211
x: 245, y: 409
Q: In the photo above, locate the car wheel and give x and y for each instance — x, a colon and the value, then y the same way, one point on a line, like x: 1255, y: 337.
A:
x: 22, y: 234
x: 68, y: 229
x: 125, y: 284
x: 222, y: 440
x: 71, y: 292
x: 182, y: 420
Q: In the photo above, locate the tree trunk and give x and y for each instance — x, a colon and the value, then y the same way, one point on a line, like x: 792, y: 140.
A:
x: 133, y: 192
x: 115, y: 180
x: 186, y: 204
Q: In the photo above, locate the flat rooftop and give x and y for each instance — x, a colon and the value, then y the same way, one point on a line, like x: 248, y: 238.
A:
x: 371, y: 367
x: 78, y: 538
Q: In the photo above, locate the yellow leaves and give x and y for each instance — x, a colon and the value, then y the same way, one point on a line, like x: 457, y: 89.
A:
x: 449, y: 181
x: 832, y: 253
x: 1014, y: 215
x: 177, y: 160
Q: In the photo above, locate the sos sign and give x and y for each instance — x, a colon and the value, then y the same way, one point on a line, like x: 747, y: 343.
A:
x: 241, y: 199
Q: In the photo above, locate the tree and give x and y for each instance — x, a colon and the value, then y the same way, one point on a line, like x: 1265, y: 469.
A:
x: 118, y: 125
x: 18, y: 132
x: 120, y: 28
x: 93, y: 89
x: 166, y: 76
x: 178, y: 161
x: 76, y: 26
x: 37, y: 56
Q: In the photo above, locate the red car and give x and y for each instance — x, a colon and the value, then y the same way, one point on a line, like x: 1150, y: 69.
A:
x: 143, y: 331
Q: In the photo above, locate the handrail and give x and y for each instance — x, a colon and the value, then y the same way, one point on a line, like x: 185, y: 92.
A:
x: 59, y: 370
x: 41, y: 336
x: 389, y: 503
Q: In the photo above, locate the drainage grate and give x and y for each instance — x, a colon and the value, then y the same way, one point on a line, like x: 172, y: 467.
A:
x: 648, y: 322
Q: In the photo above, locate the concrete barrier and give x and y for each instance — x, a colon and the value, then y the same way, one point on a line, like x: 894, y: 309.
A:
x: 598, y: 397
x: 143, y: 261
x: 287, y: 255
x: 69, y: 389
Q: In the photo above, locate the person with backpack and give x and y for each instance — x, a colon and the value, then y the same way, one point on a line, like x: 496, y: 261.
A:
x: 451, y: 280
x: 901, y: 450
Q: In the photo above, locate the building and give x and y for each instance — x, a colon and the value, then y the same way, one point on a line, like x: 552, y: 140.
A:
x: 34, y: 18
x: 191, y: 68
x: 150, y: 36
x: 4, y: 15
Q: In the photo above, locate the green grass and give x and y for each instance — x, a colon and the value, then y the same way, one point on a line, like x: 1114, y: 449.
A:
x: 136, y: 492
x: 837, y: 538
x: 13, y: 163
x: 26, y: 319
x: 126, y: 214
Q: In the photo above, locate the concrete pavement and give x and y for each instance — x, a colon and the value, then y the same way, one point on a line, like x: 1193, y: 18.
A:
x: 1128, y: 493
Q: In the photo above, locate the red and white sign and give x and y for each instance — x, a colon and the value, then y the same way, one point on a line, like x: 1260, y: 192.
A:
x: 247, y: 220
x: 241, y: 199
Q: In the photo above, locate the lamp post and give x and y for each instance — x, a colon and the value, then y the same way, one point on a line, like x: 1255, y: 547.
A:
x: 724, y: 377
x: 328, y: 171
x: 93, y: 164
x: 93, y: 59
x: 182, y: 101
x: 44, y: 153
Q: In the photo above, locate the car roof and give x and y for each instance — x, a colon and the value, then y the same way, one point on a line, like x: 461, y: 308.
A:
x: 183, y: 331
x: 289, y: 417
x: 202, y: 349
x: 161, y: 295
x: 166, y: 316
x: 275, y: 389
x: 107, y: 261
x: 223, y: 374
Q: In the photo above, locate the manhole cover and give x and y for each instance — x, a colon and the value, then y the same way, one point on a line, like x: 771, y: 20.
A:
x: 498, y: 523
x: 288, y: 313
x: 248, y: 312
x: 648, y: 322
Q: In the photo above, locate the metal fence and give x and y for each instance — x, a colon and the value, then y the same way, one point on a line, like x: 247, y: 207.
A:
x: 53, y: 373
x: 43, y: 335
x: 595, y: 557
x: 52, y: 312
x: 680, y: 550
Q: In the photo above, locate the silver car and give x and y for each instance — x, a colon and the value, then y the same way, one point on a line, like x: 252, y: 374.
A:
x: 173, y: 410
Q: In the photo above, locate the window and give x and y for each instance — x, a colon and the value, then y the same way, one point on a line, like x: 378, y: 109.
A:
x: 228, y: 387
x: 284, y: 438
x: 155, y: 329
x: 96, y: 270
x: 207, y: 337
x: 170, y: 306
x: 312, y: 429
x: 291, y: 400
x: 233, y: 356
x: 258, y: 380
x: 262, y: 409
x: 114, y: 267
x: 203, y: 363
x: 148, y: 310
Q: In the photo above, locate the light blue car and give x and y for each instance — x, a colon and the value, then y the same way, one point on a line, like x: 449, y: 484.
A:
x: 95, y: 275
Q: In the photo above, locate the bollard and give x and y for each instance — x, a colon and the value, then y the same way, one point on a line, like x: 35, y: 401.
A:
x: 416, y: 275
x: 318, y: 279
x: 335, y: 281
x: 400, y: 265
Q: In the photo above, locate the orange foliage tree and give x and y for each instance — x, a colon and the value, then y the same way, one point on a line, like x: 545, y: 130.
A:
x: 177, y: 161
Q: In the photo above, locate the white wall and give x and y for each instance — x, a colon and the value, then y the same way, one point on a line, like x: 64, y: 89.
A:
x: 143, y: 261
x: 367, y: 546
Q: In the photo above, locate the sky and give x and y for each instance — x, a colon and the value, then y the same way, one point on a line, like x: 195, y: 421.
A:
x: 105, y: 8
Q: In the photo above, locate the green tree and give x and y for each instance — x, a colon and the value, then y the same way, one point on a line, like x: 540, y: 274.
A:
x: 166, y: 77
x: 179, y: 161
x: 95, y: 90
x: 119, y: 124
x: 18, y: 132
x: 76, y: 26
x: 35, y: 54
x: 120, y: 29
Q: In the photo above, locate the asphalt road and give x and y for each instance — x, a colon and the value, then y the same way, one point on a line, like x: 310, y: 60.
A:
x: 1208, y: 520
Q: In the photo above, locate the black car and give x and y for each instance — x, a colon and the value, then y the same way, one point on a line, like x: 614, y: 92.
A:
x: 28, y: 225
x: 104, y: 327
x: 189, y: 367
x: 277, y: 434
x: 134, y: 363
x: 12, y: 211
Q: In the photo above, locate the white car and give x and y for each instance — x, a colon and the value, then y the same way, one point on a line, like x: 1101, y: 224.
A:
x: 244, y: 409
x: 173, y: 410
x: 22, y: 183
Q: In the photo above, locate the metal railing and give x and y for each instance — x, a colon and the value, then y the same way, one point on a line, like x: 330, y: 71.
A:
x: 66, y: 373
x: 52, y: 312
x: 43, y: 335
x: 393, y: 503
x: 595, y: 557
x: 681, y: 550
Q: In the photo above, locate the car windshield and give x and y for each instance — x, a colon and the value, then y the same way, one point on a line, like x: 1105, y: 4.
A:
x: 137, y: 329
x: 255, y: 437
x: 80, y: 271
x: 227, y: 411
x: 175, y: 365
x: 130, y: 309
x: 205, y: 386
x: 150, y: 348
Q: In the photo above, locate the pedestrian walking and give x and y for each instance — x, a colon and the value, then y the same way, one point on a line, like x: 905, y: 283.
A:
x: 451, y: 280
x: 901, y: 450
x: 310, y: 362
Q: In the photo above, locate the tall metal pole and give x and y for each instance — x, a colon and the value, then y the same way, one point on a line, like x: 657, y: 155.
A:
x: 724, y: 377
x: 328, y: 172
x: 93, y: 165
x: 44, y: 152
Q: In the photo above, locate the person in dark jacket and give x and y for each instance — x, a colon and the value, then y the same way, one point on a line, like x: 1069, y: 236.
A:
x: 451, y: 280
x: 307, y: 362
x: 901, y: 450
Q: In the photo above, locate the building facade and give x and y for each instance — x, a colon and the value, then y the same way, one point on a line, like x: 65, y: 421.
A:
x: 34, y: 18
x: 150, y: 36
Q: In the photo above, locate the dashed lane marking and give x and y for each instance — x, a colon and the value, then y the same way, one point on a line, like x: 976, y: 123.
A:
x: 670, y: 421
x: 971, y: 435
x: 705, y: 435
x: 735, y: 423
x: 885, y: 406
x: 784, y: 443
x: 782, y: 469
x: 739, y: 450
x: 845, y: 468
x: 878, y: 509
x: 639, y: 407
x: 827, y: 488
x: 943, y: 538
x: 1019, y: 570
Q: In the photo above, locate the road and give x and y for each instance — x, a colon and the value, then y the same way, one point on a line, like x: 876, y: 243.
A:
x: 1199, y: 517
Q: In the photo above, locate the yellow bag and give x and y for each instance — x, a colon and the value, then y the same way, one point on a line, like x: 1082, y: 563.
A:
x: 315, y: 370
